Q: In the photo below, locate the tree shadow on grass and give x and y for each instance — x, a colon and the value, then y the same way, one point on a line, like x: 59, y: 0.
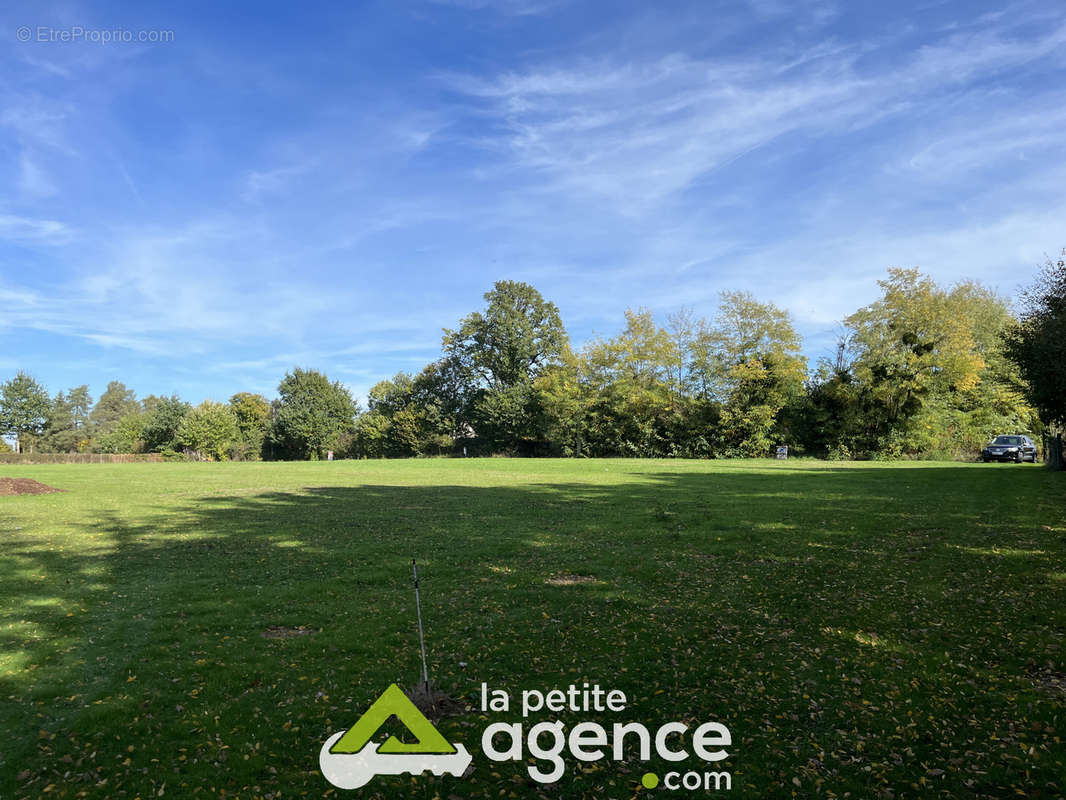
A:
x: 835, y: 619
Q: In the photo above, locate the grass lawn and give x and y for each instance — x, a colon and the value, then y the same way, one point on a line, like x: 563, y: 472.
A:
x: 864, y: 630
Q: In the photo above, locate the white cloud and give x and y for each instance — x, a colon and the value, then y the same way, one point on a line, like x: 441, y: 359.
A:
x: 656, y: 174
x: 41, y: 231
x: 637, y: 134
x: 519, y: 8
x: 965, y: 148
x: 258, y: 183
x: 37, y: 121
x: 32, y: 179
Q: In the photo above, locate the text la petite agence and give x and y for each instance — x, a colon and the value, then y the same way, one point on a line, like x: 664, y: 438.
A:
x: 588, y: 740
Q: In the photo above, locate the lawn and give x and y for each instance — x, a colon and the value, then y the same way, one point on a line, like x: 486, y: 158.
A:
x: 865, y: 630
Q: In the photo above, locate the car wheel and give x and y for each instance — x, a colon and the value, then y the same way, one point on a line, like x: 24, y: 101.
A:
x: 1019, y: 458
x: 985, y: 460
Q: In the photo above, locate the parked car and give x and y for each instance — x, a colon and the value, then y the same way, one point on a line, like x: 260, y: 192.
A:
x: 1010, y: 448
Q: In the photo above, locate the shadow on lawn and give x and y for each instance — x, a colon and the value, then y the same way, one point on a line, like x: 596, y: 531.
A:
x: 813, y: 610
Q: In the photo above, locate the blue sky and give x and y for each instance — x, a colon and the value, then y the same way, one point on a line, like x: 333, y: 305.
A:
x: 328, y: 185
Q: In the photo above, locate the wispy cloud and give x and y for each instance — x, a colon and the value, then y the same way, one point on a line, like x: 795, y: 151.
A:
x: 37, y: 121
x: 32, y: 179
x: 520, y: 8
x: 43, y: 231
x: 637, y: 134
x: 260, y: 183
x: 335, y: 200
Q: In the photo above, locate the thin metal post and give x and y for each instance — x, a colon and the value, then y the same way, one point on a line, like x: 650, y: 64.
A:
x: 421, y: 637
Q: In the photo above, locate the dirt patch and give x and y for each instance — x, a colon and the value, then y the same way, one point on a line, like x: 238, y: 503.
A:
x: 1048, y: 680
x: 285, y: 632
x: 434, y: 703
x: 569, y: 579
x: 10, y: 486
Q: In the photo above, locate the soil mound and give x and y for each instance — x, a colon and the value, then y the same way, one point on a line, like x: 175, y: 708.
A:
x: 10, y: 486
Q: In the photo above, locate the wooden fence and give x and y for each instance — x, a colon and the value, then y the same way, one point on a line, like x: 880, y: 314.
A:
x: 78, y: 458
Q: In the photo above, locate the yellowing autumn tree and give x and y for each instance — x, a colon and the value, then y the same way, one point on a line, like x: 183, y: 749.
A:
x: 930, y: 368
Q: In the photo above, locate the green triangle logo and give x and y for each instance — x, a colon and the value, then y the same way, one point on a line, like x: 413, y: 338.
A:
x: 393, y: 703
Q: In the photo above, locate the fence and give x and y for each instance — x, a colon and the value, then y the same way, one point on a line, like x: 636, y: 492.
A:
x: 77, y: 458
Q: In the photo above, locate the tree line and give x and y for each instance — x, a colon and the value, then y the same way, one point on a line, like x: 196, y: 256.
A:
x: 310, y: 416
x: 924, y: 371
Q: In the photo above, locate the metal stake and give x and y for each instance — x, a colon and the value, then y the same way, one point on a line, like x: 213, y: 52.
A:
x: 421, y: 637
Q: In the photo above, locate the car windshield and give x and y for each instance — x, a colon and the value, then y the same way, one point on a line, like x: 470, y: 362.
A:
x: 1008, y: 440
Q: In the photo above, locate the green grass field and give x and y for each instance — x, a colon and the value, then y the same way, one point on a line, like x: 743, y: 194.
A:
x: 865, y: 630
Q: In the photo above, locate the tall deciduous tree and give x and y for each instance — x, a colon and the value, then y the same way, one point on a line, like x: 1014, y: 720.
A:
x: 498, y: 354
x: 163, y: 417
x: 923, y: 373
x: 517, y: 335
x: 1038, y: 343
x: 210, y: 429
x: 627, y: 383
x: 24, y: 407
x: 311, y: 414
x: 124, y: 436
x: 749, y: 361
x: 405, y: 418
x: 907, y: 347
x: 252, y: 412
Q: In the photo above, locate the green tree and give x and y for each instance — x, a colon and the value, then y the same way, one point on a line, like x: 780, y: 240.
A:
x: 920, y: 372
x: 1037, y: 344
x: 906, y: 347
x: 505, y: 420
x: 163, y: 417
x: 627, y: 383
x: 562, y: 403
x: 404, y: 417
x: 391, y: 395
x: 24, y: 409
x: 519, y: 334
x: 498, y: 354
x: 443, y: 393
x: 59, y: 435
x: 956, y: 423
x: 67, y: 428
x: 311, y: 414
x: 209, y: 430
x: 124, y: 436
x: 81, y: 403
x: 931, y: 376
x: 829, y: 421
x: 400, y: 423
x: 372, y: 434
x: 749, y: 361
x: 252, y: 412
x: 114, y: 404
